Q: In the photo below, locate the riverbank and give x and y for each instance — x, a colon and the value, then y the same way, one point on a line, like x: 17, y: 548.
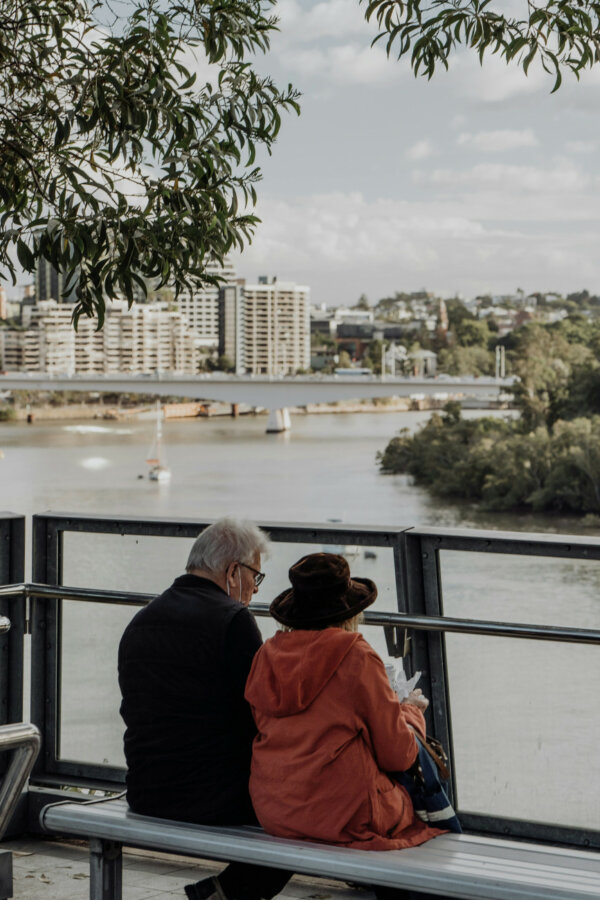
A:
x: 44, y: 411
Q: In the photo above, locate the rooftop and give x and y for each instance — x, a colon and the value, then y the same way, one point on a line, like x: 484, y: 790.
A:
x: 46, y: 869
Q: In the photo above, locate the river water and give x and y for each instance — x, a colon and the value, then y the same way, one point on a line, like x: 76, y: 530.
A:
x: 525, y: 715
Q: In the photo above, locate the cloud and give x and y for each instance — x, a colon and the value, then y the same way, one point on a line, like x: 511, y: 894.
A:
x: 491, y: 227
x: 340, y: 232
x: 328, y: 19
x: 498, y: 141
x: 343, y: 64
x: 563, y: 178
x: 420, y: 150
x: 495, y: 82
x: 330, y: 42
x: 583, y: 146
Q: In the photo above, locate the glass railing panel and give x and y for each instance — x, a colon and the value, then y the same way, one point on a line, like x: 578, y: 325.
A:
x: 127, y: 562
x: 525, y: 722
x: 524, y: 589
x: 91, y: 728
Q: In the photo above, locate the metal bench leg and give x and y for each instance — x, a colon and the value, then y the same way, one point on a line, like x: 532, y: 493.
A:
x: 106, y: 870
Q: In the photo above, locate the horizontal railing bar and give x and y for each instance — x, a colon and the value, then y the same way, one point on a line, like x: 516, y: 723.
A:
x: 86, y: 595
x: 472, y: 626
x: 297, y: 532
x: 509, y: 542
x: 419, y: 623
x: 400, y: 620
x: 478, y: 540
x: 490, y: 628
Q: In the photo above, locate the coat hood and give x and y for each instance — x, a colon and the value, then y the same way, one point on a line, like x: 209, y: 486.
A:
x: 292, y: 668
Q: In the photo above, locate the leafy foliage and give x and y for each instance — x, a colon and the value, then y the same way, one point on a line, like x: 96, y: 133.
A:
x: 561, y: 34
x: 116, y: 167
x: 557, y: 366
x: 466, y: 361
x: 493, y: 461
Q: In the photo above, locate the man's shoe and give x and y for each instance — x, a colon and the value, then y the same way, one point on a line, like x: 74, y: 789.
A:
x: 207, y: 889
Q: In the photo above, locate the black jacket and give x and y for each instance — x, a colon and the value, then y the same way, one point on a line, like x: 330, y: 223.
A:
x: 183, y: 664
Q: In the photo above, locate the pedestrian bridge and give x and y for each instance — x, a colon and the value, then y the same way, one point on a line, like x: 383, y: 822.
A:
x: 271, y: 392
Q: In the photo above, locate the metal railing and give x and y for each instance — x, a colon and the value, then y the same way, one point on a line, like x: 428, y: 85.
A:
x: 24, y: 740
x: 418, y: 586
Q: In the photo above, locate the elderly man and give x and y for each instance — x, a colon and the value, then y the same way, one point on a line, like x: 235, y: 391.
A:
x: 183, y: 664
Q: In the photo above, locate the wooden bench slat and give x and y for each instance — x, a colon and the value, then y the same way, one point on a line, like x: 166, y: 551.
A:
x: 461, y: 866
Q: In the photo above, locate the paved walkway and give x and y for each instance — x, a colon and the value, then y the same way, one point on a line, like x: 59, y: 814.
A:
x: 54, y: 870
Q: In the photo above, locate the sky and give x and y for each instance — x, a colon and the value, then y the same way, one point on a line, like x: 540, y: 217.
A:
x: 477, y: 181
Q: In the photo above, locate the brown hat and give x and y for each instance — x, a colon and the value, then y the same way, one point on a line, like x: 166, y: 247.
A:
x: 322, y: 592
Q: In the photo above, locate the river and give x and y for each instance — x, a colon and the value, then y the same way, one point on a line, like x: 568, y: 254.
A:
x: 518, y: 709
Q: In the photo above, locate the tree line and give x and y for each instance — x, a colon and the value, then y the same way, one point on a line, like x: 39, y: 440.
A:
x: 547, y: 460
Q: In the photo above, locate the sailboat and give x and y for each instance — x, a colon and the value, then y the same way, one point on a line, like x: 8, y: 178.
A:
x: 157, y: 457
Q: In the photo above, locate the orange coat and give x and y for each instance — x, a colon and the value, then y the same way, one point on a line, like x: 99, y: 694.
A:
x: 329, y: 729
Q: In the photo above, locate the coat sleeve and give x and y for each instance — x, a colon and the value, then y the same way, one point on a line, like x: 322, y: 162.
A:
x: 388, y: 723
x: 242, y: 640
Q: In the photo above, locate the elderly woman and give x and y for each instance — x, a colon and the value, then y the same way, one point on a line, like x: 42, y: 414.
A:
x: 330, y: 727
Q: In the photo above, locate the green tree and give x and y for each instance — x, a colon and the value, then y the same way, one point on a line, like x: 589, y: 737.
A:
x: 457, y: 313
x: 116, y: 167
x: 466, y: 361
x: 547, y: 363
x: 560, y: 34
x: 472, y: 333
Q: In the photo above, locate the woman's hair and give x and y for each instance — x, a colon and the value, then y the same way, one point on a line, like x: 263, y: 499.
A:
x: 347, y: 625
x: 225, y: 541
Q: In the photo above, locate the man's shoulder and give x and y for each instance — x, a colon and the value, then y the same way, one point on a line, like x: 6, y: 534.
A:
x: 190, y: 598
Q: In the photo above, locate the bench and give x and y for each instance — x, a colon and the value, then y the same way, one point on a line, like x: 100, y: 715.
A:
x: 454, y: 865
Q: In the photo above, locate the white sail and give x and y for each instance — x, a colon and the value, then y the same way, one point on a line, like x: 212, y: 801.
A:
x: 157, y: 456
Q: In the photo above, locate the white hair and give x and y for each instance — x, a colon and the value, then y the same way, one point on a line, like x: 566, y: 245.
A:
x: 225, y: 541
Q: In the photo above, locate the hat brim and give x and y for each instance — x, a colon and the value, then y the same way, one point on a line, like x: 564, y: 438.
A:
x: 286, y: 609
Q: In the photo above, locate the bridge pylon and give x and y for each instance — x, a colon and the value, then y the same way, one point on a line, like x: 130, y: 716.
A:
x: 279, y: 420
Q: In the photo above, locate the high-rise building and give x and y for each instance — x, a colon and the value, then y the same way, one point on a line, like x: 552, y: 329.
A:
x: 201, y: 306
x: 231, y: 324
x: 276, y: 338
x: 3, y: 303
x: 147, y: 338
x: 49, y: 284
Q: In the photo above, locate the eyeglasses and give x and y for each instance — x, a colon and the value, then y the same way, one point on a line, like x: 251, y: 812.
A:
x: 259, y: 577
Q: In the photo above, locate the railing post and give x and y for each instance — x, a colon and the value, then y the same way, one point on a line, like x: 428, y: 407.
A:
x: 424, y: 597
x: 12, y: 571
x: 106, y: 870
x: 45, y: 640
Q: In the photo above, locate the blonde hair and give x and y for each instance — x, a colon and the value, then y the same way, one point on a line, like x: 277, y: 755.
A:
x: 347, y: 625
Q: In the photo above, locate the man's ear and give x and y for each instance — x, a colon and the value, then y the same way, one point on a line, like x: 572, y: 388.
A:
x: 230, y: 572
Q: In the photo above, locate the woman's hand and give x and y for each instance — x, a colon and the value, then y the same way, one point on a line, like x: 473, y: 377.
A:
x: 417, y: 698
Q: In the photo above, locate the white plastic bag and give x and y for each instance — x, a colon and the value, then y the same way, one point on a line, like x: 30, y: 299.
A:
x: 398, y: 680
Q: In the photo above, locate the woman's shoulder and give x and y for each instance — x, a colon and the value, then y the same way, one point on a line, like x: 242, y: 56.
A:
x: 361, y: 649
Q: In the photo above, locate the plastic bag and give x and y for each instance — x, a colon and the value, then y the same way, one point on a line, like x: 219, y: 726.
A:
x: 398, y: 680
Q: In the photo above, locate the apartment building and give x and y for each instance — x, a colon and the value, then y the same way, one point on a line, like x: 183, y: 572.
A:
x: 274, y: 334
x: 147, y: 338
x: 201, y: 306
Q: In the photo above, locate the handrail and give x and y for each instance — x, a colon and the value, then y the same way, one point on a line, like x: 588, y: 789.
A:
x: 386, y: 619
x: 25, y: 740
